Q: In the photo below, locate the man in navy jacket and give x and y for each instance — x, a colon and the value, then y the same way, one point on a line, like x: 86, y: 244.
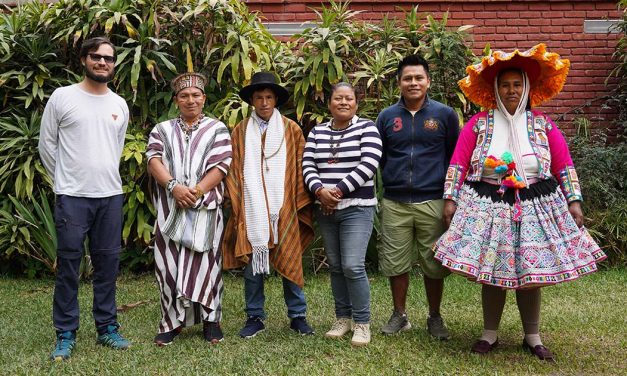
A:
x: 419, y: 136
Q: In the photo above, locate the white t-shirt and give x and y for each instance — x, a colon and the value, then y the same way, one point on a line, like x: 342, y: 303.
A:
x: 81, y: 141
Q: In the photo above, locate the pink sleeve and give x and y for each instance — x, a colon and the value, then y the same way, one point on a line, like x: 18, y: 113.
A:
x: 466, y: 143
x: 458, y: 168
x: 560, y: 156
x: 562, y: 166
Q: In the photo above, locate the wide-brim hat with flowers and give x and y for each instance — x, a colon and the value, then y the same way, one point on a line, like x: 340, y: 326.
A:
x: 546, y: 71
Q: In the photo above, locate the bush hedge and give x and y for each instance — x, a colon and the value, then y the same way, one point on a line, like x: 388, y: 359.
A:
x: 157, y: 38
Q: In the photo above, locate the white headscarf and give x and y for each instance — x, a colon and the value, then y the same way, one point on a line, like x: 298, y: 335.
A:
x: 518, y: 119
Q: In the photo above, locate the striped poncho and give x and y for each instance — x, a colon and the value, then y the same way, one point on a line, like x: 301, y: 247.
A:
x: 190, y: 280
x: 295, y: 229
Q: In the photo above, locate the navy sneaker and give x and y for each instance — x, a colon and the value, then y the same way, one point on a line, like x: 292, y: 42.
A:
x: 254, y: 325
x: 164, y: 339
x: 212, y: 332
x: 112, y: 338
x: 65, y: 343
x: 300, y: 326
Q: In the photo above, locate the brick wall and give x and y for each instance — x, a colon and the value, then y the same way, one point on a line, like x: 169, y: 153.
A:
x: 518, y: 24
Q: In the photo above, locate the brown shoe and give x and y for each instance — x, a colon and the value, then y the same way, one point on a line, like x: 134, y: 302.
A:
x: 540, y: 351
x: 483, y: 346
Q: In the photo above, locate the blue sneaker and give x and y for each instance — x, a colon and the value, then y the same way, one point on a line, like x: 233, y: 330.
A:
x: 254, y: 325
x: 300, y: 326
x: 65, y: 344
x: 113, y: 339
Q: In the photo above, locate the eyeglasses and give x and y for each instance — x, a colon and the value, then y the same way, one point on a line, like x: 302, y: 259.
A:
x: 96, y: 58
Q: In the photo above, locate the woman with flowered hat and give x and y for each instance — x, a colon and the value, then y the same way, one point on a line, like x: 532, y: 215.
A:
x: 513, y: 196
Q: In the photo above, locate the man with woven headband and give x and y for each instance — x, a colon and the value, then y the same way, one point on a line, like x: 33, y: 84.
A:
x: 513, y: 197
x: 271, y: 219
x: 188, y: 157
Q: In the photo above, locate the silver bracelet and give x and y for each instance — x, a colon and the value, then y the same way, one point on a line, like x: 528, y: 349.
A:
x: 171, y: 184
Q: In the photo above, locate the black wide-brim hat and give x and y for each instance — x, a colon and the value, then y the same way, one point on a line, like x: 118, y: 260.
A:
x: 264, y: 80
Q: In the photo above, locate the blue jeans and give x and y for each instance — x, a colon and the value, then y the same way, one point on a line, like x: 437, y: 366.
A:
x: 255, y: 298
x: 345, y: 234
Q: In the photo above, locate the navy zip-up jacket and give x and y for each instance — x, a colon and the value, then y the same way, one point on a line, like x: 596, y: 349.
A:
x: 416, y: 150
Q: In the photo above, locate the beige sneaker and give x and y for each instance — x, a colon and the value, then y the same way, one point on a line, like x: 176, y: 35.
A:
x: 339, y: 328
x: 361, y: 335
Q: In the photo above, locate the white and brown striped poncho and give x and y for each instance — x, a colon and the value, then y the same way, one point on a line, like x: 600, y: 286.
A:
x: 190, y: 281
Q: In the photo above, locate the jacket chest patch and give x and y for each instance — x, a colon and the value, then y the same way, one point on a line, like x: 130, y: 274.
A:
x: 431, y: 125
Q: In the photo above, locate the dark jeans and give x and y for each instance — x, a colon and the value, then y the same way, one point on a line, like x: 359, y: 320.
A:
x: 99, y: 219
x: 255, y: 298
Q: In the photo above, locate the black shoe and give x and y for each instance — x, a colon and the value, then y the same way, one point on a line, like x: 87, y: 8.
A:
x: 212, y: 332
x: 254, y: 325
x: 300, y: 326
x: 164, y: 339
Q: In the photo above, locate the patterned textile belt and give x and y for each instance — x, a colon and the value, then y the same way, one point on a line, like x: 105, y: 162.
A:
x: 498, y: 182
x: 517, y: 208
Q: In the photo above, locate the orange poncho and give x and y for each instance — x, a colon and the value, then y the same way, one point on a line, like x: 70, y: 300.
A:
x: 295, y: 216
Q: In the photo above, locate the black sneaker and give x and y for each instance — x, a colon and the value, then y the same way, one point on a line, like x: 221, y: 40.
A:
x: 212, y: 332
x: 164, y: 339
x: 300, y: 326
x: 254, y: 325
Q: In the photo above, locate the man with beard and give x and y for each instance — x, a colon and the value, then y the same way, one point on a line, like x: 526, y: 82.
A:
x: 80, y: 144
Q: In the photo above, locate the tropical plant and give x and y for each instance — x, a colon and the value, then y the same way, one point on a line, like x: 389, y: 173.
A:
x: 322, y: 51
x: 37, y: 227
x: 20, y: 168
x: 448, y: 55
x: 157, y: 39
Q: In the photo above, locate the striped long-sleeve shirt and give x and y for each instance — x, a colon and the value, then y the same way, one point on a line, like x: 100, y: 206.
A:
x: 346, y: 159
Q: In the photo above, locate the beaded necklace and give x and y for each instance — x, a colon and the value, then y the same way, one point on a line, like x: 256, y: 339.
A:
x: 189, y: 128
x: 335, y: 144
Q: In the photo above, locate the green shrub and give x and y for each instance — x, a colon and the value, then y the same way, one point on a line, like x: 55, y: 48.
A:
x: 603, y: 174
x: 618, y: 98
x: 39, y: 44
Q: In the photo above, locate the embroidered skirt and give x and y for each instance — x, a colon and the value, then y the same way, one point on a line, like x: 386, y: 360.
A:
x: 545, y: 247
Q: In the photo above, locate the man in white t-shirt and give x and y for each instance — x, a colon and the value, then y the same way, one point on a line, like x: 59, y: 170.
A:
x: 80, y: 144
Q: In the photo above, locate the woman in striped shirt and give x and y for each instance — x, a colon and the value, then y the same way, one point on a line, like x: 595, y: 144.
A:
x: 340, y: 160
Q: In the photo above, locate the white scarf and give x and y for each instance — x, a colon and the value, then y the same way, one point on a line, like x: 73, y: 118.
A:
x: 263, y: 169
x: 514, y: 121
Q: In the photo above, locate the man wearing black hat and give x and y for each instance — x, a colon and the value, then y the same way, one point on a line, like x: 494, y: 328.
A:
x: 271, y: 219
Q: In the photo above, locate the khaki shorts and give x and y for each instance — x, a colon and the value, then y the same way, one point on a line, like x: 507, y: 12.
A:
x: 404, y: 226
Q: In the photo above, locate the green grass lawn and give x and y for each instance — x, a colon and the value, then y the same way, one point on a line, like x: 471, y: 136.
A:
x: 583, y: 323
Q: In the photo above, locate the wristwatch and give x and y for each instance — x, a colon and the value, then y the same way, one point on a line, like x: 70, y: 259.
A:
x: 171, y: 184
